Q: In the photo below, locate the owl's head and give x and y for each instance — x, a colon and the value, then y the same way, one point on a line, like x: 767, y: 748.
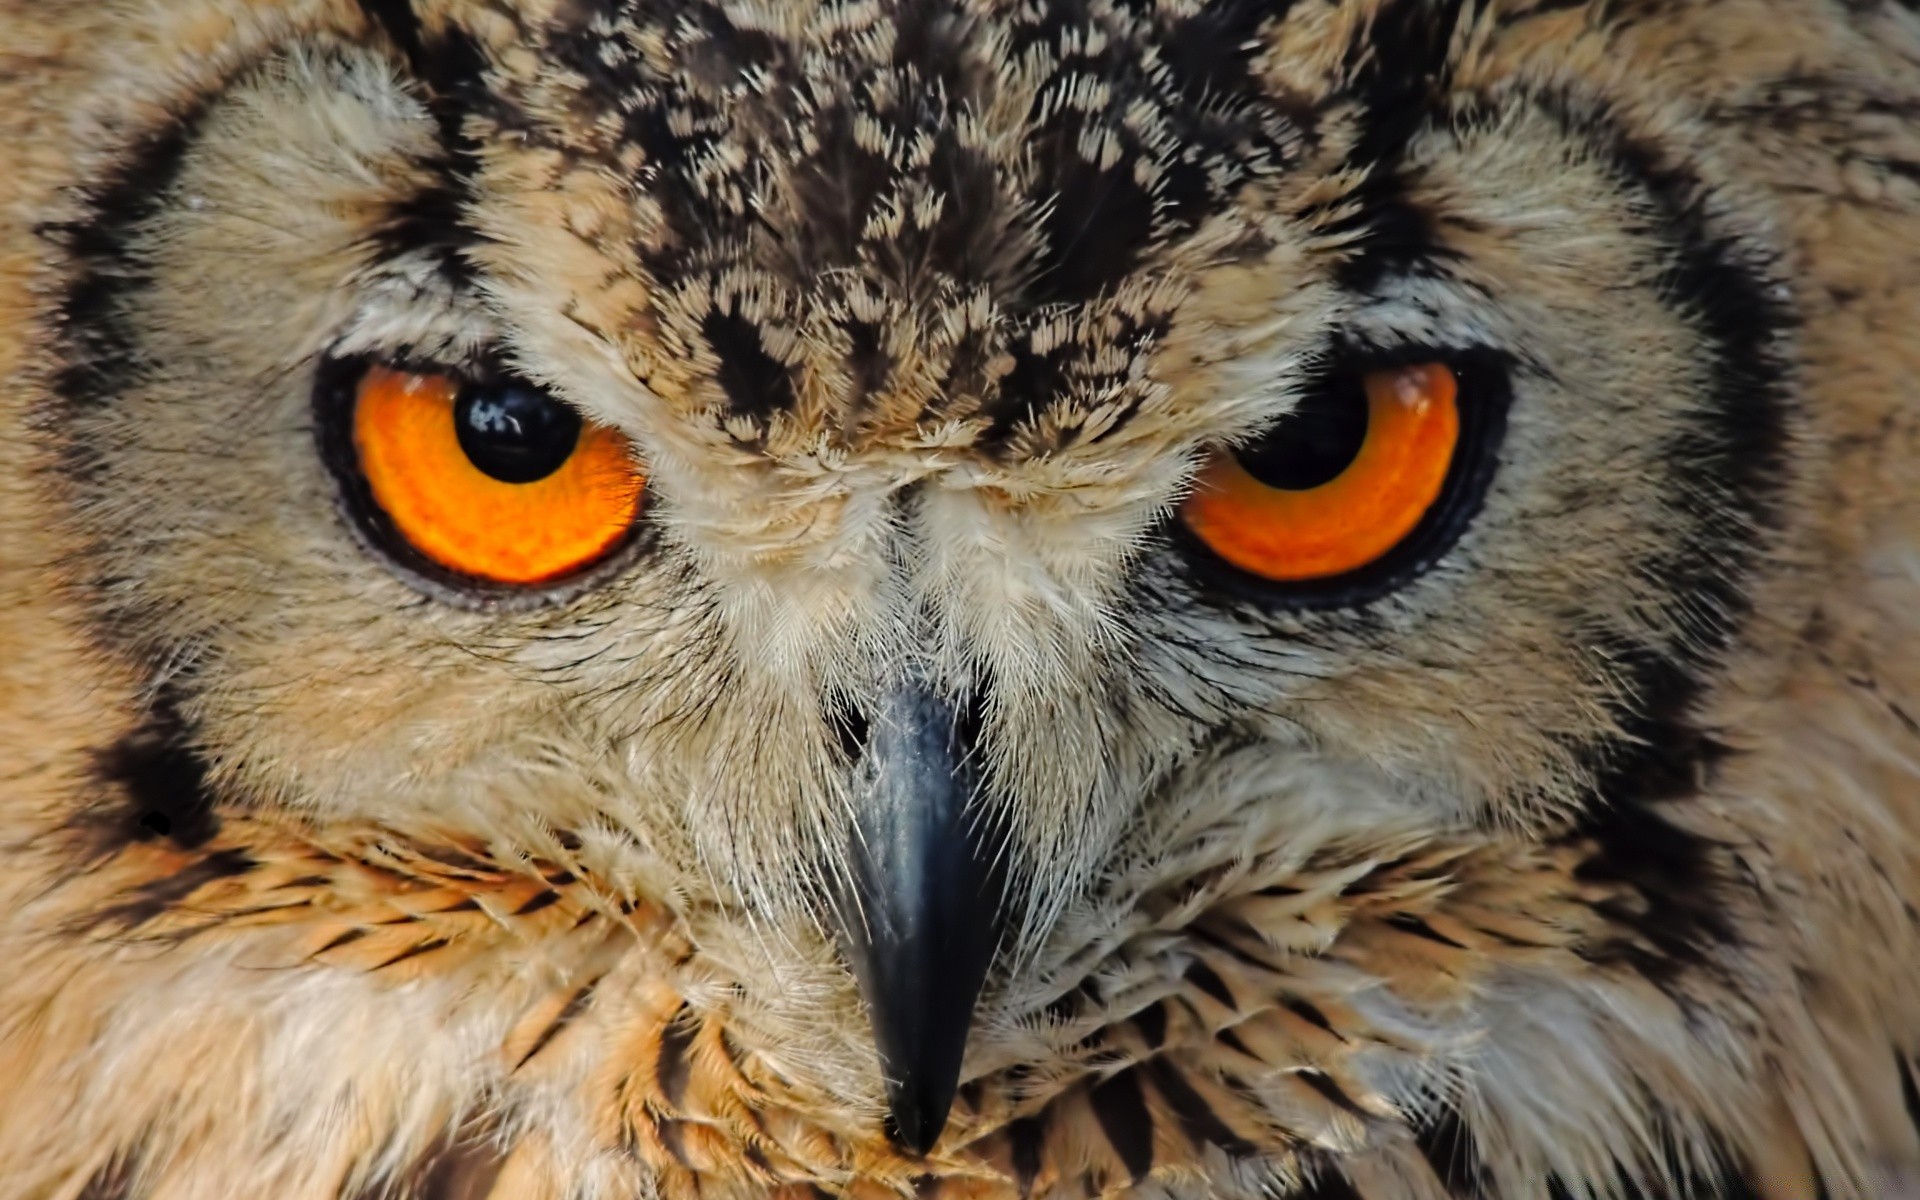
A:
x: 892, y: 470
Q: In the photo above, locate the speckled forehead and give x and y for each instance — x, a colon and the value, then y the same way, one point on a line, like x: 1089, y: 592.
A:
x: 872, y: 216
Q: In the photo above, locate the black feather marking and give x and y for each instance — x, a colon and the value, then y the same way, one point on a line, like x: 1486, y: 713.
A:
x: 448, y: 62
x: 1204, y: 977
x: 754, y: 381
x: 1231, y: 1040
x: 1024, y: 1139
x: 156, y: 896
x: 1120, y: 1105
x: 1454, y: 1154
x: 1323, y: 1083
x: 452, y: 67
x: 1311, y: 1014
x: 399, y: 22
x: 672, y: 1139
x: 1676, y: 876
x: 161, y: 779
x: 452, y: 859
x: 546, y: 898
x: 97, y: 349
x: 1035, y: 381
x: 1197, y: 1119
x: 575, y: 1005
x: 672, y: 1068
x: 431, y: 219
x: 1152, y: 1024
x: 345, y: 937
x: 1409, y: 923
x: 426, y: 946
x: 1096, y: 227
x: 1397, y: 69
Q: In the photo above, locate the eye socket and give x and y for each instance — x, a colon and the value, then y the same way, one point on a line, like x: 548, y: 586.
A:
x: 492, y: 480
x: 1347, y: 489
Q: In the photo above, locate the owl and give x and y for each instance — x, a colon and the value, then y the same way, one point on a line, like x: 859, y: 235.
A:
x: 960, y: 599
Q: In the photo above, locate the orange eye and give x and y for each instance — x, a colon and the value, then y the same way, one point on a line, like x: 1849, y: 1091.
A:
x: 1338, y: 483
x: 498, y: 481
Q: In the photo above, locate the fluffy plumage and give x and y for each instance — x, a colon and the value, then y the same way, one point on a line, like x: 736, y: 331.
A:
x: 1580, y: 862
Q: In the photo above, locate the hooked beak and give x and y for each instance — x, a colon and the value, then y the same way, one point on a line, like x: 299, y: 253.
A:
x: 922, y: 922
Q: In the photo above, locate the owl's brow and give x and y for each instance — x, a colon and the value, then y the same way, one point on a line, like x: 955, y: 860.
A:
x: 1064, y: 215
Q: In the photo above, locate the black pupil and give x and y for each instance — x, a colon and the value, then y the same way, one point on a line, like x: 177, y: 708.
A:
x: 513, y: 431
x: 1315, y: 442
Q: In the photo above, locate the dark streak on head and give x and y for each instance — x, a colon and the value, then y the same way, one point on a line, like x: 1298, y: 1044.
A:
x: 817, y: 132
x: 432, y: 220
x: 755, y: 382
x: 1220, y: 131
x: 96, y: 348
x: 1396, y: 73
x: 449, y: 65
x: 1036, y: 378
x: 401, y: 24
x: 868, y: 363
x: 1098, y: 221
x: 1725, y: 473
x: 447, y: 61
x: 157, y: 782
x: 835, y: 189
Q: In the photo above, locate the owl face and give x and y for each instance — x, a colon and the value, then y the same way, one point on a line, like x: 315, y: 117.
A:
x: 875, y: 468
